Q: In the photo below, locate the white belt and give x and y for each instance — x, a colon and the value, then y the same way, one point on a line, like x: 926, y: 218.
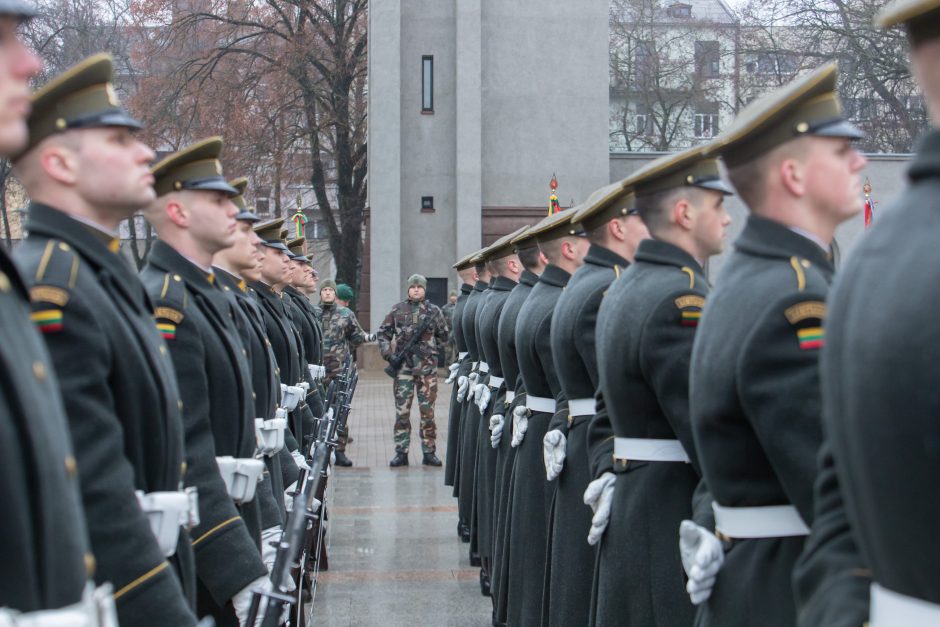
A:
x: 166, y: 512
x: 96, y: 609
x: 581, y: 407
x: 538, y: 403
x: 510, y: 396
x: 649, y: 450
x: 241, y: 476
x: 473, y: 365
x: 496, y: 382
x: 893, y: 609
x: 484, y: 367
x: 770, y: 521
x: 460, y: 356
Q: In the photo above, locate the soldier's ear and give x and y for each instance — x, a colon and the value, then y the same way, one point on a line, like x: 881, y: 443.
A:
x: 177, y: 212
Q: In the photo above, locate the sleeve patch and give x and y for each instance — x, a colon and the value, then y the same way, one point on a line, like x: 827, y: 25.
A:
x: 803, y: 311
x: 168, y: 313
x: 690, y: 307
x: 811, y: 338
x: 47, y: 320
x: 167, y: 330
x: 49, y: 294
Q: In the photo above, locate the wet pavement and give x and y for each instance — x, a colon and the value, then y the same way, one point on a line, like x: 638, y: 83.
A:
x: 395, y: 558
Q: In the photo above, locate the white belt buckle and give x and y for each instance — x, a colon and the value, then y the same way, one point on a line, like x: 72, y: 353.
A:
x: 540, y: 404
x: 165, y: 511
x: 581, y: 407
x: 767, y: 521
x: 241, y: 476
x: 270, y: 433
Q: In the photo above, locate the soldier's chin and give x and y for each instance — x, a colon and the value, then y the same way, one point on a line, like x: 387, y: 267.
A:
x: 13, y: 136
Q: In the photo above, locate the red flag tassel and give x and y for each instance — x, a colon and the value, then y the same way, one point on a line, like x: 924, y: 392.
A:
x: 869, y: 211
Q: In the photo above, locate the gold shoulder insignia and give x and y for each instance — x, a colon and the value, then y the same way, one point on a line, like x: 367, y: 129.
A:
x: 797, y: 264
x: 690, y: 300
x: 691, y: 274
x: 799, y: 312
x: 49, y: 294
x: 168, y: 313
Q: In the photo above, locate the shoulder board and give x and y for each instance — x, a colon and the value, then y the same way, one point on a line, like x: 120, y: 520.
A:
x: 55, y: 275
x: 690, y: 308
x: 800, y: 266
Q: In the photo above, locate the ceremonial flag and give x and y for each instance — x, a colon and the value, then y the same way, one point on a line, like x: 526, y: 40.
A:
x: 553, y: 206
x: 300, y: 221
x: 869, y: 204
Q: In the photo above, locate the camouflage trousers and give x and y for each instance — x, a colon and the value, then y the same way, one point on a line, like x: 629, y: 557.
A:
x: 406, y: 385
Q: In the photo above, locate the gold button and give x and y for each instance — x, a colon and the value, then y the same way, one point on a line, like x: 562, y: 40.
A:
x: 802, y: 127
x: 39, y: 371
x: 179, y: 404
x: 61, y: 124
x: 277, y: 370
x: 70, y: 466
x: 63, y: 246
x: 183, y: 468
x: 90, y: 565
x: 176, y: 277
x: 4, y: 282
x: 244, y: 352
x: 162, y: 350
x: 805, y: 263
x: 254, y: 396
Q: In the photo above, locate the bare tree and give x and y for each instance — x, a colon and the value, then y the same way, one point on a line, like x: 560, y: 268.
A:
x: 302, y: 66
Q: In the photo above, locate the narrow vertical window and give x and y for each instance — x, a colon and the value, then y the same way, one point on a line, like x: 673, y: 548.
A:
x: 427, y: 84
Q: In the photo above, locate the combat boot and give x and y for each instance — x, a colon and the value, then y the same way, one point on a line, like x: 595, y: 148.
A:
x: 430, y: 459
x: 342, y: 460
x: 400, y: 459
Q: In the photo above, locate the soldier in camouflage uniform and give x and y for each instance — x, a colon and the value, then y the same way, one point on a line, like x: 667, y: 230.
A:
x: 450, y: 349
x: 419, y: 369
x: 341, y: 335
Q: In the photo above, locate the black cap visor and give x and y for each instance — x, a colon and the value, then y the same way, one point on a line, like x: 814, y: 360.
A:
x: 837, y: 128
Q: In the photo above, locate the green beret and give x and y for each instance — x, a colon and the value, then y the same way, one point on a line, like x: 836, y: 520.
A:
x: 328, y: 283
x: 807, y: 106
x: 344, y: 292
x: 80, y: 97
x: 195, y: 168
x: 417, y: 279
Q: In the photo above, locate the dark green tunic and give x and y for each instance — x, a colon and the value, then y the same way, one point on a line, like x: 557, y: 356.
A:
x: 453, y: 416
x: 119, y: 388
x: 44, y: 533
x: 755, y: 403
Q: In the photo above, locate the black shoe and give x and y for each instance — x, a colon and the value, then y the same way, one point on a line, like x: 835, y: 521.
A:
x: 475, y: 560
x: 400, y: 459
x: 342, y: 460
x: 484, y: 582
x: 463, y: 530
x: 430, y: 459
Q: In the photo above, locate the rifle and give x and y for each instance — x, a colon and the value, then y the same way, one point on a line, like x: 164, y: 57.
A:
x: 395, y: 361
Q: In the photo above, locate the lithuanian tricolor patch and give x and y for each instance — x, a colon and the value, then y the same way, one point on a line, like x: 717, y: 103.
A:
x: 167, y: 330
x: 811, y: 338
x: 47, y: 320
x: 691, y: 318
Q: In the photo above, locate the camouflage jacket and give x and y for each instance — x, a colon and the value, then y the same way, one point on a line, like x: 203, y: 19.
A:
x: 448, y: 311
x: 341, y: 335
x: 402, y: 322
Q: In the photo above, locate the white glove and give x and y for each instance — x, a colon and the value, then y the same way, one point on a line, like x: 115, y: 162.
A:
x: 242, y: 600
x: 299, y: 460
x: 702, y: 556
x: 496, y: 429
x: 554, y: 450
x: 289, y: 496
x: 600, y: 495
x: 520, y: 422
x: 463, y: 384
x: 454, y: 367
x: 484, y: 396
x: 270, y: 538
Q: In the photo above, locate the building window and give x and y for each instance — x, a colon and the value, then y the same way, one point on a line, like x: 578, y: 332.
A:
x: 427, y: 84
x: 706, y: 59
x: 706, y: 120
x: 679, y: 11
x: 643, y: 62
x: 642, y: 120
x: 773, y: 63
x: 427, y: 204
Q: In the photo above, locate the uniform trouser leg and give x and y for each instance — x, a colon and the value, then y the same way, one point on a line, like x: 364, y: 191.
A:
x: 426, y: 390
x: 404, y: 387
